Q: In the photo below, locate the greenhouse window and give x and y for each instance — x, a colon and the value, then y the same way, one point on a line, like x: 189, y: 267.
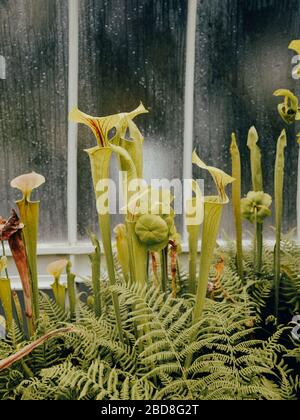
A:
x: 204, y: 69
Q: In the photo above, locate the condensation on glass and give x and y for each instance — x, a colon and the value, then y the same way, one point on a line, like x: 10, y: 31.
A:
x: 132, y: 51
x: 242, y: 58
x: 33, y: 106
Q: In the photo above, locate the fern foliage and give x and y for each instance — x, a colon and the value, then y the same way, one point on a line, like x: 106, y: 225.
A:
x: 235, y: 352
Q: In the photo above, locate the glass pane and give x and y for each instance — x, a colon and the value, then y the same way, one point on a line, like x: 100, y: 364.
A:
x: 242, y: 58
x: 132, y: 51
x: 33, y: 106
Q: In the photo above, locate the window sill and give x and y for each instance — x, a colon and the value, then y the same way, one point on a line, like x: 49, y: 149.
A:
x: 85, y: 248
x: 81, y: 266
x: 61, y: 249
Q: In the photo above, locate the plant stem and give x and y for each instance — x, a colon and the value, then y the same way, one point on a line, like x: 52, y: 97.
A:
x: 25, y: 351
x: 154, y: 268
x: 138, y: 255
x: 194, y: 233
x: 59, y: 292
x: 104, y: 222
x: 6, y: 300
x: 164, y: 270
x: 122, y: 250
x: 18, y: 309
x: 212, y: 219
x: 27, y: 370
x: 71, y: 291
x: 29, y: 212
x: 100, y: 162
x: 255, y: 241
x: 236, y: 200
x: 279, y: 183
x: 174, y: 269
x: 259, y: 246
x: 148, y: 267
x: 95, y: 258
x: 18, y: 251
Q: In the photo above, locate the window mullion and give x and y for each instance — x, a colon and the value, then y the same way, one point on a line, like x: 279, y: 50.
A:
x: 189, y: 91
x: 72, y: 127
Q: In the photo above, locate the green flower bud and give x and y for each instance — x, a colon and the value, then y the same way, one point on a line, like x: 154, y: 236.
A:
x: 152, y: 230
x: 90, y: 301
x: 256, y: 206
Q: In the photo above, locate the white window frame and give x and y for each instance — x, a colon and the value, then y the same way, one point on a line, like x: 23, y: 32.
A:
x: 76, y: 250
